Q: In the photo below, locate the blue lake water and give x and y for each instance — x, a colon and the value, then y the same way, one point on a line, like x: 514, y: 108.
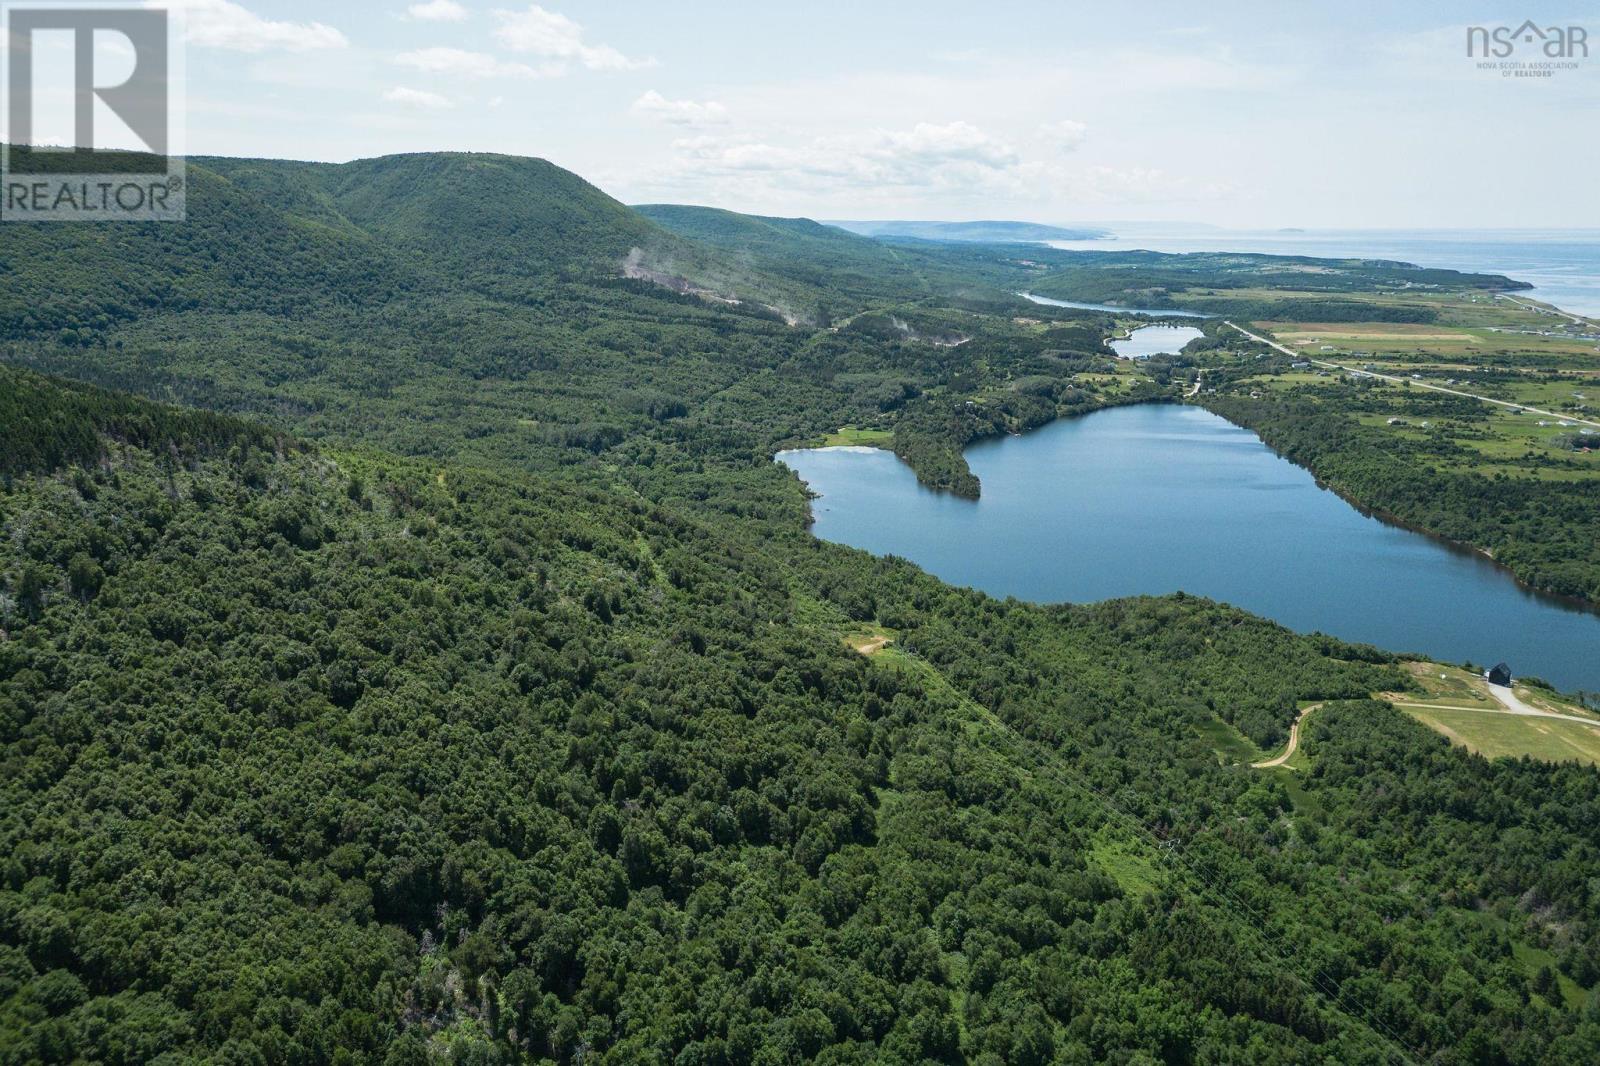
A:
x: 1154, y: 340
x: 1161, y: 497
x: 1562, y: 265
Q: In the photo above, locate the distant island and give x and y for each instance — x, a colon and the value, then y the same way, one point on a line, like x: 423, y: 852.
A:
x: 1020, y: 232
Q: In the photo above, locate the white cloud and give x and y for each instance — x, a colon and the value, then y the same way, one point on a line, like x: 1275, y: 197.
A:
x: 954, y: 163
x: 653, y: 105
x: 926, y: 143
x: 416, y: 99
x: 1065, y: 135
x: 927, y: 155
x: 436, y: 11
x: 222, y: 24
x: 555, y: 37
x: 462, y: 63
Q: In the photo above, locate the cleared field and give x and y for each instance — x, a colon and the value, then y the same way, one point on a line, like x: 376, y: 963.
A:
x: 1510, y: 362
x: 868, y: 643
x: 856, y: 436
x: 1454, y: 685
x: 1230, y: 745
x: 1457, y: 703
x: 1128, y: 862
x: 1494, y: 735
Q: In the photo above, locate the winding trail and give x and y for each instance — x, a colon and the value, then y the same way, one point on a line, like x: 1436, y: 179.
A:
x: 1294, y: 743
x: 1410, y: 381
x: 1510, y: 704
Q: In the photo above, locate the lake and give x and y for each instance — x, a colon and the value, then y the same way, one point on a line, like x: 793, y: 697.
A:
x: 1160, y: 497
x: 1154, y: 340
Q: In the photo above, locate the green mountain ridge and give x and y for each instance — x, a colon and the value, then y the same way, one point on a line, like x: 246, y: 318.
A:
x: 360, y: 232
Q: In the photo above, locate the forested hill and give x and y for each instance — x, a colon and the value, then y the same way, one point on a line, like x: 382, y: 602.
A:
x: 280, y: 236
x: 50, y: 424
x: 338, y: 757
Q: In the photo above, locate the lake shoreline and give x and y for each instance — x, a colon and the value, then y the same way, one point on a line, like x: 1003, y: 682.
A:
x: 1422, y: 607
x: 1575, y: 603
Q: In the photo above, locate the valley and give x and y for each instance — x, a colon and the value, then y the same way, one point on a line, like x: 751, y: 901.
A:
x: 410, y: 651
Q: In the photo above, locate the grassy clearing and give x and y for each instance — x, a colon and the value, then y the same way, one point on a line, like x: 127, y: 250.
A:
x: 1448, y: 684
x: 1230, y: 745
x: 870, y: 640
x: 855, y: 436
x: 1455, y: 686
x: 1545, y: 700
x: 1457, y: 704
x: 1512, y: 736
x: 1122, y: 860
x: 1306, y: 804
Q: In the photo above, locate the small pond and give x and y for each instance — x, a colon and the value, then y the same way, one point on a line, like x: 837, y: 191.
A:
x: 1154, y: 340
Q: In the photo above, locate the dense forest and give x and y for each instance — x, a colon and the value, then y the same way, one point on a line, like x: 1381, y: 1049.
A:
x: 464, y: 686
x: 314, y: 755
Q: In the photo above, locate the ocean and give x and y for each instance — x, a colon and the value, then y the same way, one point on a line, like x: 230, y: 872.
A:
x: 1562, y: 265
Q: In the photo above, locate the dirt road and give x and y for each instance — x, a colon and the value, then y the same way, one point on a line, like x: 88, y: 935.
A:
x: 869, y: 645
x: 1294, y: 741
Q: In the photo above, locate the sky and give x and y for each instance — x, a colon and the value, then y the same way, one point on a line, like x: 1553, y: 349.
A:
x: 1246, y: 115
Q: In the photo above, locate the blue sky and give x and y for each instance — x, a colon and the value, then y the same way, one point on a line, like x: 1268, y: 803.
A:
x: 1243, y: 114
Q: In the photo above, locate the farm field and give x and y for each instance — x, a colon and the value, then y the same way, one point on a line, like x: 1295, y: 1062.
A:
x: 1486, y: 347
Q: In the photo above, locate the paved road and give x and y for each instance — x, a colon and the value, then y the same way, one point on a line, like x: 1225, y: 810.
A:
x: 1408, y: 381
x: 1514, y: 704
x: 1294, y: 742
